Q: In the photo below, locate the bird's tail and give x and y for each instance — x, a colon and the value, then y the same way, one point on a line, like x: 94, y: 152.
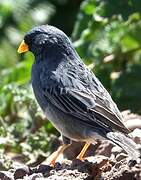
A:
x: 126, y: 143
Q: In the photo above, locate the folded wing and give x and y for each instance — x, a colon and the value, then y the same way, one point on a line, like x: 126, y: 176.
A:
x: 88, y: 106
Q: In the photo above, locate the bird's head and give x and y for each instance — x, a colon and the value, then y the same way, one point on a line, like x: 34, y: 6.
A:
x: 45, y: 38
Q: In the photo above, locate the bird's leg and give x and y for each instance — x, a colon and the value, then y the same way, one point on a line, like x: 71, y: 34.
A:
x: 52, y: 158
x: 81, y: 154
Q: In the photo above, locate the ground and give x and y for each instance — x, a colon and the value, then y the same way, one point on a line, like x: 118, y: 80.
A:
x: 103, y: 161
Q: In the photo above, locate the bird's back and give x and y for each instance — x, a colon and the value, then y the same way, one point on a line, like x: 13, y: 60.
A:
x: 74, y: 78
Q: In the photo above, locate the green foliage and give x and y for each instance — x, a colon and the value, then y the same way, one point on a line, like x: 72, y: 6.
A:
x: 107, y: 36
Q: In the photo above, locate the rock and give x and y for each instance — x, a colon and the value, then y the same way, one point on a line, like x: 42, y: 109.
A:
x: 121, y: 156
x: 122, y: 171
x: 133, y: 124
x: 132, y: 163
x: 94, y: 167
x: 75, y: 163
x: 136, y: 134
x: 21, y: 172
x: 115, y: 151
x: 99, y: 164
x: 104, y: 148
x: 132, y: 121
x: 66, y: 174
x: 35, y: 176
x: 42, y: 168
x: 82, y: 166
x: 57, y: 166
x: 5, y: 175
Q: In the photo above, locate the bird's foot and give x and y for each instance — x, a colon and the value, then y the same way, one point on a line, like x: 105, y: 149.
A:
x: 51, y: 160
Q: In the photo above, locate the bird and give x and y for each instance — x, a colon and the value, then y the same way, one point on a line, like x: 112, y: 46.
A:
x: 70, y: 94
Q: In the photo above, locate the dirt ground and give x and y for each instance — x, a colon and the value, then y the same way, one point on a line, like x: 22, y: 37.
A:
x: 103, y: 161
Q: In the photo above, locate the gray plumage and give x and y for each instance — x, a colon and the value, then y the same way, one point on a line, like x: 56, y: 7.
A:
x: 71, y: 96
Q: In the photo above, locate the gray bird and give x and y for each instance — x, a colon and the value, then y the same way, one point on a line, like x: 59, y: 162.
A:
x: 70, y: 95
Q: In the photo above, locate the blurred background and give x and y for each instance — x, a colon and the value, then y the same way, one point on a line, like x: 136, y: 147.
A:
x: 107, y: 36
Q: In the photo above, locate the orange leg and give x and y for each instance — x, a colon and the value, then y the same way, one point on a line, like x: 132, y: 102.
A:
x: 81, y: 154
x: 52, y: 158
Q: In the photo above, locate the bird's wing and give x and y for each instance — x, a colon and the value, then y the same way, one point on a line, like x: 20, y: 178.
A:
x: 88, y: 106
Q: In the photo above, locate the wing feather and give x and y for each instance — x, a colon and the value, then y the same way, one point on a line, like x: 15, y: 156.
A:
x: 88, y: 107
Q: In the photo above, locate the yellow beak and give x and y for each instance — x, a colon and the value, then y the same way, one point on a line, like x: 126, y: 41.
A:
x: 23, y: 47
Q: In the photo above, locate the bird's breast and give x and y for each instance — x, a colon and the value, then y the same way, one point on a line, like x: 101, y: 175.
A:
x: 37, y: 87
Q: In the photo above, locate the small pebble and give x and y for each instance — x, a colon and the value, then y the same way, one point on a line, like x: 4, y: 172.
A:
x: 76, y: 162
x: 57, y: 166
x: 5, y: 175
x: 116, y: 150
x: 121, y: 156
x: 35, y: 176
x: 21, y: 172
x: 42, y: 168
x: 132, y: 163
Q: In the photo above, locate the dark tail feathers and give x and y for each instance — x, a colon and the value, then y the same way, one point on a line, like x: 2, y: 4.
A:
x: 126, y: 143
